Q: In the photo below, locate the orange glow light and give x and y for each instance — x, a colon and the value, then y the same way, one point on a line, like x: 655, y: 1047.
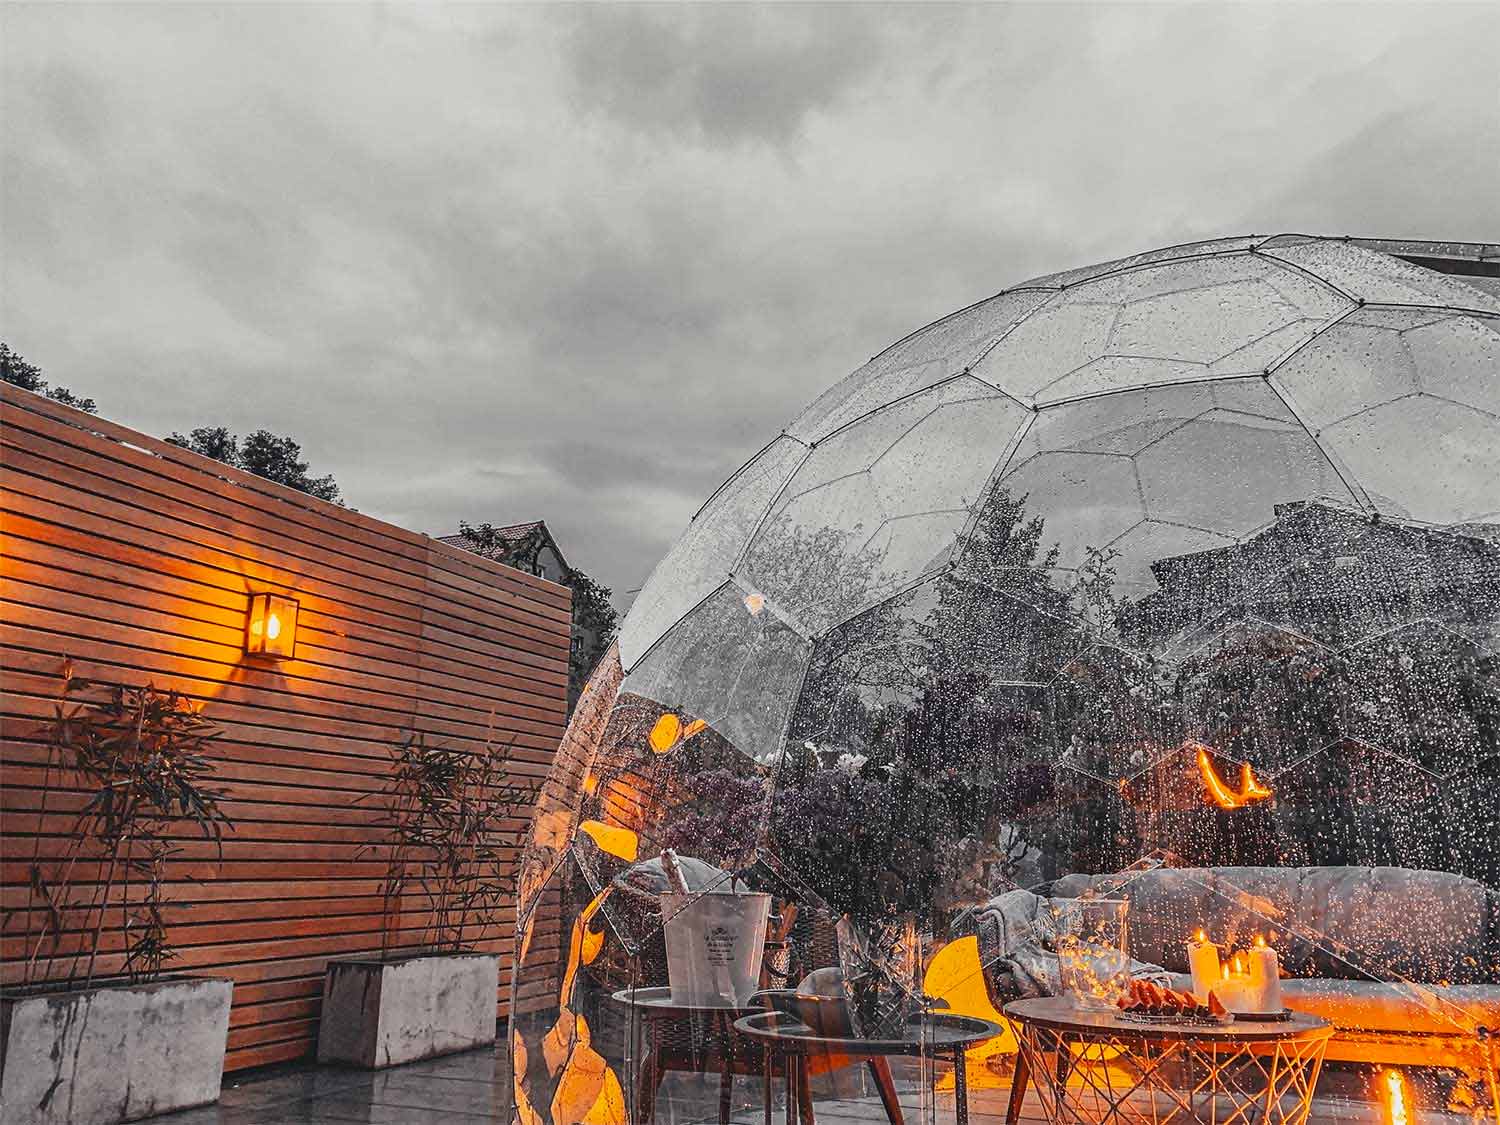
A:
x: 1250, y: 789
x: 621, y: 843
x: 670, y: 731
x: 271, y: 626
x: 955, y: 974
x: 664, y: 733
x: 1398, y: 1104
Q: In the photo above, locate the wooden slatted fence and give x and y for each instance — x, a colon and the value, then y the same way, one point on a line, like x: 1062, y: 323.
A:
x: 136, y: 559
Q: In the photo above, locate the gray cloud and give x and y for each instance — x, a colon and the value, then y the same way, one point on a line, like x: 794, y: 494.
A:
x: 501, y: 262
x: 722, y: 74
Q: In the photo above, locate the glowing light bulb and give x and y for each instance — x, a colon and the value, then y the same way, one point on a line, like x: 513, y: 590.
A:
x: 271, y: 626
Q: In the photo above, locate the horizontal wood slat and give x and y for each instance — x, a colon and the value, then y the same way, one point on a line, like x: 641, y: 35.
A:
x: 136, y: 559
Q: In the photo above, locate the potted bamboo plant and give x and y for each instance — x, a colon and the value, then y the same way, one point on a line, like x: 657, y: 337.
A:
x: 445, y: 813
x: 97, y: 1030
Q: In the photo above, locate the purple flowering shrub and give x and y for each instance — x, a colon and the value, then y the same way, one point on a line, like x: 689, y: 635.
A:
x: 719, y: 819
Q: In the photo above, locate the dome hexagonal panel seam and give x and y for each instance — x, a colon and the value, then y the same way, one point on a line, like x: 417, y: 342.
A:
x: 959, y: 379
x: 706, y: 553
x: 942, y: 433
x: 1067, y: 279
x: 1001, y: 464
x: 757, y: 602
x: 973, y: 650
x: 1367, y: 276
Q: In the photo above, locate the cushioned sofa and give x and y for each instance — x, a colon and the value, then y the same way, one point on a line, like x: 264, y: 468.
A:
x: 1405, y: 963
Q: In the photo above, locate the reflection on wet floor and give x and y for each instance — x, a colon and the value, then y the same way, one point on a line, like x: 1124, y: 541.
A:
x: 471, y: 1087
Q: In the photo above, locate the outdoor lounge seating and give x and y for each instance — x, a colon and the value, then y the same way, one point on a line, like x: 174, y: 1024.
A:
x: 1405, y: 963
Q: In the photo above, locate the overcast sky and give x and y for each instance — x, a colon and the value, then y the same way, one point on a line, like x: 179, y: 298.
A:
x: 500, y: 263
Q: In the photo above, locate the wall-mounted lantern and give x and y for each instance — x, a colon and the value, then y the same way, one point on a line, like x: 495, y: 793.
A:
x: 271, y: 629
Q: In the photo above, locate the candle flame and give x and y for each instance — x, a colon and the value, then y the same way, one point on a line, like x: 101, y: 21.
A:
x: 1260, y: 941
x: 1398, y: 1099
x: 1200, y: 937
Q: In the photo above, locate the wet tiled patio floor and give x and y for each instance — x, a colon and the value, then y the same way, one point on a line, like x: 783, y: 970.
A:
x: 471, y: 1087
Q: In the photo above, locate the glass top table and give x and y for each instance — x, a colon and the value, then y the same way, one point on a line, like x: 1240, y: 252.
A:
x: 936, y: 1032
x: 938, y: 1035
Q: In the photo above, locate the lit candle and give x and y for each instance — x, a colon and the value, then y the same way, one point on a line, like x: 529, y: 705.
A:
x: 1233, y: 989
x: 1265, y: 978
x: 1203, y: 963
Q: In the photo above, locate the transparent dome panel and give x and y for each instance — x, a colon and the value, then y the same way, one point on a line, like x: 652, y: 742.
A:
x: 1187, y: 593
x: 731, y: 663
x: 936, y: 353
x: 702, y: 559
x: 1423, y: 458
x: 1381, y: 279
x: 879, y: 503
x: 1163, y: 324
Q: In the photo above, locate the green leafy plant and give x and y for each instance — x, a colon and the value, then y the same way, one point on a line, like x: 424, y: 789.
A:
x: 262, y: 453
x: 595, y: 621
x: 28, y: 376
x: 450, y: 814
x: 138, y: 757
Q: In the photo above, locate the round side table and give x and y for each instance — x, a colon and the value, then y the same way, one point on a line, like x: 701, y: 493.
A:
x: 666, y: 1036
x: 789, y: 1044
x: 1097, y: 1067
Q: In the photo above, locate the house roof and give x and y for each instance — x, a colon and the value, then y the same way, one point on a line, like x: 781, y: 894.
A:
x: 1320, y: 565
x: 511, y: 533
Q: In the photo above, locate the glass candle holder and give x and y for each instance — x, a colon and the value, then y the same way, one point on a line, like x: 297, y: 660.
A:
x: 1089, y: 938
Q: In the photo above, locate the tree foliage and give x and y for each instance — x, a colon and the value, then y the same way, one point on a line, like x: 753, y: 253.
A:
x: 595, y: 624
x: 274, y: 458
x: 595, y: 621
x: 28, y: 376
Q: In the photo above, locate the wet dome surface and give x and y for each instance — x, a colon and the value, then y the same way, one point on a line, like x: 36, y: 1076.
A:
x: 1190, y: 560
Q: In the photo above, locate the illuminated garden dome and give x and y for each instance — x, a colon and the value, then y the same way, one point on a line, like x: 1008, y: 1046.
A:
x: 1188, y: 561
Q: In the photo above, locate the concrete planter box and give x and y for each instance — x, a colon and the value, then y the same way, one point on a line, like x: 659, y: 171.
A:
x: 382, y: 1013
x: 117, y: 1052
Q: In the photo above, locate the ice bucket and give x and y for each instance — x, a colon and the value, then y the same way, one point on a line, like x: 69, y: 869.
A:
x: 714, y: 947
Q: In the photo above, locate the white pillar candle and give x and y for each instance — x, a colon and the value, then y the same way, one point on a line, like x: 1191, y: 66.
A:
x: 1233, y: 988
x: 1203, y: 963
x: 1265, y: 978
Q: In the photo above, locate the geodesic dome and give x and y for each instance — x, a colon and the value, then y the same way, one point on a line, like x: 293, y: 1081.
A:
x: 1186, y: 562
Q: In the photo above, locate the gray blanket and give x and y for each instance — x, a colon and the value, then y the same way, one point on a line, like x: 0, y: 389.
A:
x: 1018, y: 951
